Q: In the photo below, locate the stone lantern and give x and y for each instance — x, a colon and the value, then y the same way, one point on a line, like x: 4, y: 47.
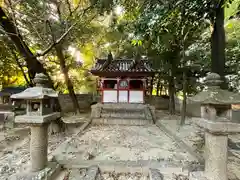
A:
x: 216, y: 102
x: 41, y: 110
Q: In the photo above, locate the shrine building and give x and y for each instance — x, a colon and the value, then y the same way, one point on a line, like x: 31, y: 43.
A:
x: 123, y: 85
x: 122, y: 80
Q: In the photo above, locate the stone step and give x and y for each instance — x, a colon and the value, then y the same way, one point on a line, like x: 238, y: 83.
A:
x: 120, y: 121
x: 132, y: 115
x: 124, y: 106
x: 168, y: 174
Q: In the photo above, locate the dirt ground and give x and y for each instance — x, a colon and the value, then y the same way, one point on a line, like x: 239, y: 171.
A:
x: 112, y: 143
x: 124, y: 143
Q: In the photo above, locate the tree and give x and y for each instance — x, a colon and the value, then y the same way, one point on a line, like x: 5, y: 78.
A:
x: 54, y: 26
x: 34, y: 66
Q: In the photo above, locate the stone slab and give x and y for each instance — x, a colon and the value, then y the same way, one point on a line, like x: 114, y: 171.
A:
x: 154, y: 174
x: 180, y: 143
x: 92, y: 173
x: 198, y: 175
x: 120, y: 121
x: 46, y: 174
x: 217, y: 127
x: 63, y: 144
x: 26, y: 119
x: 141, y: 166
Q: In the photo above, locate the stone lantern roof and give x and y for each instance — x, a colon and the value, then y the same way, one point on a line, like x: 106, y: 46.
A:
x: 40, y: 91
x: 214, y: 94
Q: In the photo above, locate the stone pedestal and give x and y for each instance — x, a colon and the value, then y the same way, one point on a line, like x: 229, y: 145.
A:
x: 216, y: 147
x: 38, y: 147
x: 216, y: 156
x: 39, y: 138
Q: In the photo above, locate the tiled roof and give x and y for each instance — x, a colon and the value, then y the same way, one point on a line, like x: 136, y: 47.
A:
x: 122, y: 65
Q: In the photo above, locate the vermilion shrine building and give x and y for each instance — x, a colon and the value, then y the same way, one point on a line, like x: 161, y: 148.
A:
x: 122, y: 80
x: 123, y: 85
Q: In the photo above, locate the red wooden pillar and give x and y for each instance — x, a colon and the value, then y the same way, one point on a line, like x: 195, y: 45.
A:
x: 128, y: 90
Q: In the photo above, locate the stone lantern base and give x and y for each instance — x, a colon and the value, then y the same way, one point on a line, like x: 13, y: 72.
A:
x: 216, y: 148
x: 48, y: 173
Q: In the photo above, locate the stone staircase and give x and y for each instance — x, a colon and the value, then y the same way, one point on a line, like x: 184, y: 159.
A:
x: 122, y: 114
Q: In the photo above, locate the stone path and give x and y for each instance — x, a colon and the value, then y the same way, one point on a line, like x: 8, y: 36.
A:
x: 122, y: 143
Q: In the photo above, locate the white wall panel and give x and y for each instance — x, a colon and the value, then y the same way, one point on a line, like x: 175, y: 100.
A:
x: 109, y: 96
x: 135, y: 96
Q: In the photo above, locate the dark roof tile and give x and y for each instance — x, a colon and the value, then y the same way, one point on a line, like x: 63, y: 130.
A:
x: 122, y: 65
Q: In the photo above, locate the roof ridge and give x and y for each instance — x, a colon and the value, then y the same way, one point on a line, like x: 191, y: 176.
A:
x: 123, y: 65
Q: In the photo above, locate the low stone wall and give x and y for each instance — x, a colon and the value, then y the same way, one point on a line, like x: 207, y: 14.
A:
x: 84, y: 100
x: 193, y: 108
x: 160, y: 103
x: 6, y: 107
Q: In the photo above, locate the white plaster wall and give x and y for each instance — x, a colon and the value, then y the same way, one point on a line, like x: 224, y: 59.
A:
x: 123, y: 96
x: 110, y: 96
x: 136, y: 96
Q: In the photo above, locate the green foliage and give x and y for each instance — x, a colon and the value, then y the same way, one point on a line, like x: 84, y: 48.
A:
x: 172, y: 34
x: 10, y: 73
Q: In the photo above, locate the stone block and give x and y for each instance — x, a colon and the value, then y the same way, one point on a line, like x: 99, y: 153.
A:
x: 91, y: 173
x: 154, y: 174
x: 25, y: 119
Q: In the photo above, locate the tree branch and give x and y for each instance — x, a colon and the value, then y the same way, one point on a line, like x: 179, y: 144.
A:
x: 21, y: 68
x: 69, y: 7
x: 63, y: 36
x: 55, y: 42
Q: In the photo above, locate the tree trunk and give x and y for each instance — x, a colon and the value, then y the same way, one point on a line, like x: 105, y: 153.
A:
x: 151, y: 85
x: 171, y: 90
x: 21, y: 68
x: 184, y: 103
x: 68, y: 81
x: 161, y: 89
x: 158, y: 84
x: 33, y: 65
x: 218, y: 44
